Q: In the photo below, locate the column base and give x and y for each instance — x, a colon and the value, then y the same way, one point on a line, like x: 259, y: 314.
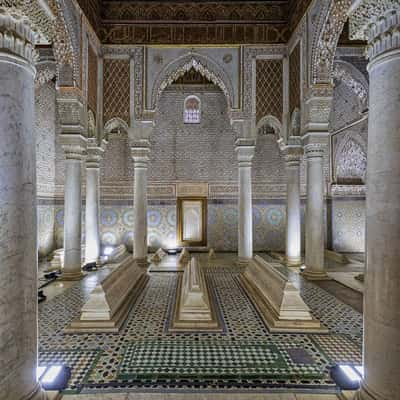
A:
x: 313, y: 275
x: 243, y: 261
x: 72, y: 276
x: 141, y: 262
x: 37, y: 394
x: 293, y: 261
x: 365, y: 394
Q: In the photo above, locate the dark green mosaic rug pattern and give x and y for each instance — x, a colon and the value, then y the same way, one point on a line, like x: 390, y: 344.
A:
x: 145, y: 356
x: 208, y: 359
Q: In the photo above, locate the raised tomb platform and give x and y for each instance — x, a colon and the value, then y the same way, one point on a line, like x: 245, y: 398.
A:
x: 194, y: 307
x: 162, y: 262
x: 110, y: 302
x: 277, y: 300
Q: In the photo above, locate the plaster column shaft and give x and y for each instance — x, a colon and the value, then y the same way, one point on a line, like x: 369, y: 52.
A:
x: 72, y: 214
x: 140, y: 160
x: 18, y: 227
x: 92, y: 226
x: 382, y: 279
x: 293, y: 211
x: 315, y: 245
x: 245, y: 153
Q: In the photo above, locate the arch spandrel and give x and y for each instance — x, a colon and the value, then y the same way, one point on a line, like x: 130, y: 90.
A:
x: 202, y: 64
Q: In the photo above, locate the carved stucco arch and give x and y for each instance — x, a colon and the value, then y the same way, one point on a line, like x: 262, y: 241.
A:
x: 352, y: 78
x: 202, y: 64
x: 339, y: 152
x: 66, y: 42
x: 327, y: 31
x: 275, y: 124
x: 115, y: 123
x: 56, y: 26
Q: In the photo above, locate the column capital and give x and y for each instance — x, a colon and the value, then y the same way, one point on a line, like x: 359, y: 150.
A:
x: 245, y: 148
x: 140, y: 152
x: 378, y: 22
x: 70, y: 110
x: 17, y: 35
x: 94, y: 155
x: 317, y: 108
x: 293, y: 155
x: 315, y: 150
x: 74, y: 146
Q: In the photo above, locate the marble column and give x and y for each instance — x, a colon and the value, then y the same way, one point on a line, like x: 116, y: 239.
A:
x: 92, y: 225
x: 73, y: 212
x: 140, y: 155
x: 293, y: 206
x: 18, y: 227
x: 315, y: 242
x: 380, y: 21
x: 245, y: 153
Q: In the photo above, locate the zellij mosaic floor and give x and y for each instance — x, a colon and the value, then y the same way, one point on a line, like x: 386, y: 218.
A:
x: 245, y: 356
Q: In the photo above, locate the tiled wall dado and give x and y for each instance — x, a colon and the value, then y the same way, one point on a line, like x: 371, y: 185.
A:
x: 116, y: 224
x: 46, y: 225
x: 348, y: 225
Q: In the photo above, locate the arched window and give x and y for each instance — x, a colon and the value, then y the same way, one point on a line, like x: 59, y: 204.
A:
x: 191, y: 114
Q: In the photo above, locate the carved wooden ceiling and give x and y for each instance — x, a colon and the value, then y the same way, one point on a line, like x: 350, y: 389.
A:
x: 194, y: 22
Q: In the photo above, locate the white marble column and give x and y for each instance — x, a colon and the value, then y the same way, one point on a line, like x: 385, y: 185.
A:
x: 73, y: 212
x: 140, y: 155
x: 315, y: 241
x: 293, y: 207
x: 245, y: 153
x: 380, y: 21
x: 92, y: 225
x: 18, y: 227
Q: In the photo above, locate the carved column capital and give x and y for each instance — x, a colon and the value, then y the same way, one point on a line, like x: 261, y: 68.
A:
x: 315, y: 150
x: 74, y: 146
x: 378, y: 22
x: 317, y: 108
x: 293, y: 155
x: 245, y: 151
x: 70, y: 110
x: 94, y: 155
x: 17, y: 37
x: 140, y: 152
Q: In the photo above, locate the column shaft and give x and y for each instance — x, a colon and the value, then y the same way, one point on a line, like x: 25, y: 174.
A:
x: 315, y: 242
x: 92, y: 232
x: 72, y: 217
x: 293, y: 212
x: 140, y: 157
x: 379, y: 23
x: 245, y: 213
x: 18, y: 227
x: 382, y: 295
x: 245, y: 153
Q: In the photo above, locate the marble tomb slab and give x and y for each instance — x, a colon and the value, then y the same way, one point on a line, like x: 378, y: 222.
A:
x: 277, y: 300
x: 110, y: 302
x: 194, y: 310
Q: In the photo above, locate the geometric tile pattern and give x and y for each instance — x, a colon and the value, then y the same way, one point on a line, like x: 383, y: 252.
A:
x: 116, y: 226
x: 79, y: 361
x: 209, y: 358
x: 269, y: 88
x: 339, y: 349
x: 244, y: 356
x: 116, y: 89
